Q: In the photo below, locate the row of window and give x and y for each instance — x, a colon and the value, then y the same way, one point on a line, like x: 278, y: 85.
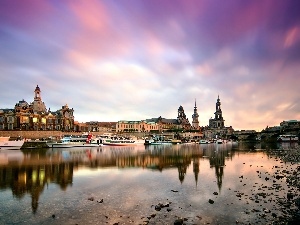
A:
x: 12, y: 119
x: 11, y: 126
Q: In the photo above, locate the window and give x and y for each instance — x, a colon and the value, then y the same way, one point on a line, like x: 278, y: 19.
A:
x: 10, y: 126
x: 10, y: 119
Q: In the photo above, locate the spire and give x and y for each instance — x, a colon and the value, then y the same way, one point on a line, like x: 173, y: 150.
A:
x: 195, y: 117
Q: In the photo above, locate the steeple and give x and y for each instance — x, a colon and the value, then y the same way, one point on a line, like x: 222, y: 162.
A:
x: 37, y: 93
x: 218, y: 121
x: 195, y: 116
x: 38, y: 104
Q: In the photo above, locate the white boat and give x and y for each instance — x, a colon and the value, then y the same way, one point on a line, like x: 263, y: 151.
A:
x: 85, y: 140
x: 157, y: 142
x: 7, y: 144
x: 287, y: 138
x: 120, y: 141
x: 203, y: 141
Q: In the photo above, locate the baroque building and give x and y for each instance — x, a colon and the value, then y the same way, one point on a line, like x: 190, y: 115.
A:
x: 182, y: 120
x: 216, y: 127
x: 136, y: 126
x: 35, y: 116
x: 156, y: 125
x: 195, y: 116
x: 218, y: 121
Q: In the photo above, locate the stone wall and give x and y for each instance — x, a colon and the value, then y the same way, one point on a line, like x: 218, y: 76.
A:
x: 33, y: 135
x: 39, y: 134
x: 57, y: 134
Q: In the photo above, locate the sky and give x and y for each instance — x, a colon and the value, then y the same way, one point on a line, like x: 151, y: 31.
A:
x: 114, y: 60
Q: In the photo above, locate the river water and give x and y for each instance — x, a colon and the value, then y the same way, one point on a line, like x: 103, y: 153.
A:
x: 198, y: 184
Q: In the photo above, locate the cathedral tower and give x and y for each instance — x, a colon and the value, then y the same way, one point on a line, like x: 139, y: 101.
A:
x: 195, y: 116
x: 38, y: 105
x: 218, y: 121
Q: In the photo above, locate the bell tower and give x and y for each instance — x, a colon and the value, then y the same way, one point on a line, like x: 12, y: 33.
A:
x: 195, y: 116
x: 38, y: 105
x: 37, y: 93
x: 218, y: 121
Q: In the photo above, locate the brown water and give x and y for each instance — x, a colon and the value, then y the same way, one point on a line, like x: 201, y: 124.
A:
x: 202, y: 184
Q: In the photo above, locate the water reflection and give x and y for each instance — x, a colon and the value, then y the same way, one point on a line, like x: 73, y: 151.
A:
x: 29, y: 172
x: 258, y: 146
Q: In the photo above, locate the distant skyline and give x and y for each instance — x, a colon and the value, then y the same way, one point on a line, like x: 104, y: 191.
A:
x: 133, y: 60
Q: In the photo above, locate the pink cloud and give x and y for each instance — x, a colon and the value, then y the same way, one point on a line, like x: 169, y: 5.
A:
x: 96, y: 28
x: 292, y: 37
x: 92, y: 15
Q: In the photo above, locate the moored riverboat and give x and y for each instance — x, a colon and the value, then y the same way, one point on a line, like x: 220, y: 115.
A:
x: 7, y: 144
x: 85, y: 140
x: 120, y: 140
x: 204, y: 141
x: 158, y: 142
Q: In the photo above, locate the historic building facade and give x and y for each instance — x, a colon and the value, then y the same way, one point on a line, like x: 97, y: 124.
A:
x: 218, y: 121
x: 156, y: 125
x: 182, y: 120
x: 137, y: 126
x: 35, y: 116
x: 216, y: 127
x: 195, y: 117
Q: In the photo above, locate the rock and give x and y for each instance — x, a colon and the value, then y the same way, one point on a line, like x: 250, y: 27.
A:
x: 53, y: 216
x: 178, y: 222
x: 215, y: 193
x: 166, y: 205
x: 157, y: 207
x: 211, y: 201
x: 174, y: 190
x: 91, y: 198
x: 199, y: 217
x: 289, y: 196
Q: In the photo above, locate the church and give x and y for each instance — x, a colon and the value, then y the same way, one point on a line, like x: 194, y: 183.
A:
x: 35, y: 116
x: 216, y: 127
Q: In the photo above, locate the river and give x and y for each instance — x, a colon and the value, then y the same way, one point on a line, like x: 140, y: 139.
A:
x: 185, y: 183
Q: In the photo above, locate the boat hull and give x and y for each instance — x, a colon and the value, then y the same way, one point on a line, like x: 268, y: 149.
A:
x: 122, y: 142
x: 158, y: 143
x: 72, y: 145
x: 11, y: 145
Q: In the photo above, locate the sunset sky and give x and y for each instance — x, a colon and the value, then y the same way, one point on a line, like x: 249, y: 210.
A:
x: 137, y: 59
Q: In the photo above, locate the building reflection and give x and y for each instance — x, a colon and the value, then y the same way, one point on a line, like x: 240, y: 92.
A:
x: 32, y: 179
x: 217, y: 155
x: 30, y: 172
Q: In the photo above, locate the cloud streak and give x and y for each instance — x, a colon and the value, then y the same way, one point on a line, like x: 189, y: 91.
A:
x: 132, y: 60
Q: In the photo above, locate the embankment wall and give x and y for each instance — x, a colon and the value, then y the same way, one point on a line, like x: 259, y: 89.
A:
x: 33, y: 135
